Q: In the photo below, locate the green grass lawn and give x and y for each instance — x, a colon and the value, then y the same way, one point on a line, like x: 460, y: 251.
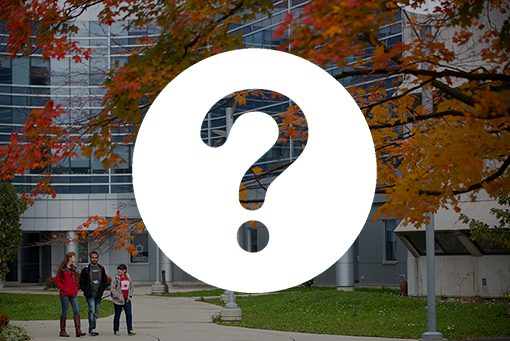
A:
x: 370, y: 312
x: 218, y: 292
x: 27, y: 307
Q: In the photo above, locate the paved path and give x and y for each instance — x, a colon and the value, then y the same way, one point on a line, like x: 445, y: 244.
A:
x: 168, y: 318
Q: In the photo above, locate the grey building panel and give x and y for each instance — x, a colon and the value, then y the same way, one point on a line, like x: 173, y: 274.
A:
x: 66, y: 224
x: 41, y: 210
x: 140, y: 272
x: 364, y: 246
x: 66, y: 208
x: 372, y: 242
x: 53, y: 224
x: 28, y: 224
x: 376, y: 273
x: 97, y: 207
x: 40, y: 224
x: 389, y: 274
x: 80, y: 208
x: 364, y: 273
x: 53, y: 209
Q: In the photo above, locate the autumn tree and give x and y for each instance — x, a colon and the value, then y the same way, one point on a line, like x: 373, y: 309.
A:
x: 430, y: 152
x: 457, y: 140
x: 11, y: 208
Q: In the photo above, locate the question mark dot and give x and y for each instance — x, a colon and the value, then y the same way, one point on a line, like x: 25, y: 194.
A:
x: 253, y: 236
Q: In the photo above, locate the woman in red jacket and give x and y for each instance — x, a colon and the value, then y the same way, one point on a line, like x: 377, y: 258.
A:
x: 66, y: 282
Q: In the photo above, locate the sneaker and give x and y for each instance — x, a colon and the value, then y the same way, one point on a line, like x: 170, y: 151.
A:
x: 131, y: 333
x: 116, y: 333
x: 93, y: 333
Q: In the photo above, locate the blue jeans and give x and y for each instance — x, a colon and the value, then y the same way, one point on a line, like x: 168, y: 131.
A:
x: 94, y: 303
x: 64, y: 301
x: 129, y: 316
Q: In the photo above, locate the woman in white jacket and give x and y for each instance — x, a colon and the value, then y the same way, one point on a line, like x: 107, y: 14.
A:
x: 122, y: 293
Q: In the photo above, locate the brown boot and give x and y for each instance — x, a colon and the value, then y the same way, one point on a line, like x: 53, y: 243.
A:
x: 77, y: 326
x: 63, y: 327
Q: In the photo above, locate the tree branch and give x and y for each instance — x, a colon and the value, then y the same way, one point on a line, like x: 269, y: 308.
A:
x: 479, y: 185
x: 418, y: 119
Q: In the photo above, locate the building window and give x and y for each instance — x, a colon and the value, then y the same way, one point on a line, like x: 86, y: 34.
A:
x: 141, y: 243
x: 83, y: 251
x: 390, y: 241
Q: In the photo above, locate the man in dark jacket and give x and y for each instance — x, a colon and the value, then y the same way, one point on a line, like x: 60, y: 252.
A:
x: 93, y: 282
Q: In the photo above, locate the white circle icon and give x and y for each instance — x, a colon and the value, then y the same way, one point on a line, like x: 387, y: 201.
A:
x: 188, y: 193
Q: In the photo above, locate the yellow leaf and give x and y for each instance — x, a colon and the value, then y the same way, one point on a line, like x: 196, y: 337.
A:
x: 256, y: 170
x: 379, y: 50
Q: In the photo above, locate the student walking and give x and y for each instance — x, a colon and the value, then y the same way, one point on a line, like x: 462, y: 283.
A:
x: 93, y: 282
x: 66, y: 282
x: 122, y: 293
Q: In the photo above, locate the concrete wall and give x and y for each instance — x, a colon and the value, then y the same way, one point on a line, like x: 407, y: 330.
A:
x: 66, y: 212
x: 462, y: 276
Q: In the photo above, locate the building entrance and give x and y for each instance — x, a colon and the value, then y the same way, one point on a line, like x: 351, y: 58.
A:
x: 26, y: 266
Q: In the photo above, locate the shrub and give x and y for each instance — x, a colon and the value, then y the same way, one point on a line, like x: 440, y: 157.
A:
x: 4, y: 320
x: 50, y: 283
x: 13, y: 333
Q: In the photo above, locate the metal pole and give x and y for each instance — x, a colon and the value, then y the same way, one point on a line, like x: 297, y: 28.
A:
x: 231, y: 303
x: 229, y: 116
x: 344, y: 271
x: 431, y: 334
x: 158, y: 266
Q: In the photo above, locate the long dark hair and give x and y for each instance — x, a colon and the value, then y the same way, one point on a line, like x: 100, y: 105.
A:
x: 63, y: 265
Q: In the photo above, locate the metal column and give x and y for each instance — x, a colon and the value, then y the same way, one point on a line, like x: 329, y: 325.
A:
x: 431, y: 334
x: 344, y: 269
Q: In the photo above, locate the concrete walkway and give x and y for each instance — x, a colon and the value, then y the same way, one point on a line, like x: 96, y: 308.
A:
x: 167, y: 318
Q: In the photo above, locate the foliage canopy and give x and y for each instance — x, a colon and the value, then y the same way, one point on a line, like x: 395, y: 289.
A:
x: 431, y: 149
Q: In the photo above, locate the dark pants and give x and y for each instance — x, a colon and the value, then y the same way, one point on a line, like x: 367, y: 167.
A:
x: 94, y: 303
x: 129, y: 316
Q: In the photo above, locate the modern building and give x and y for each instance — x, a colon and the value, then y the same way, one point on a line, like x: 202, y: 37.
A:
x: 84, y: 188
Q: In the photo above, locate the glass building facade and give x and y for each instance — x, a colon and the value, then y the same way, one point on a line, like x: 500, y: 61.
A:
x: 28, y: 83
